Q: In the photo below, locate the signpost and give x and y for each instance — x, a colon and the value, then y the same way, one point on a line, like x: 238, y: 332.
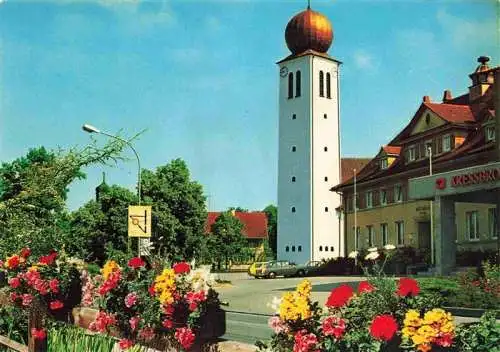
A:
x: 139, y: 221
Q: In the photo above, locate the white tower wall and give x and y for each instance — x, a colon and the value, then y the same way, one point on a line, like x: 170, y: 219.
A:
x: 308, y: 231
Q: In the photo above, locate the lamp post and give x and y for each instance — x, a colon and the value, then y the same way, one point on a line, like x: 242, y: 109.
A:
x: 355, y: 201
x: 91, y: 129
x: 431, y: 208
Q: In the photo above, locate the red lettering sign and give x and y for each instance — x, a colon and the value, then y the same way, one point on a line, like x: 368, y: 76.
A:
x: 441, y: 183
x: 485, y: 176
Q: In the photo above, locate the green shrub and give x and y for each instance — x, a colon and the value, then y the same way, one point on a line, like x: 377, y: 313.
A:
x: 479, y: 337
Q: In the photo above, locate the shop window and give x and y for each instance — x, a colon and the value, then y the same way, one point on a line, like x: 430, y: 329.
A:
x: 472, y: 225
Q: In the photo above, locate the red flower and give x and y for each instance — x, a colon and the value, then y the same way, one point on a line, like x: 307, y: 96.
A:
x: 27, y: 299
x: 48, y: 259
x: 41, y: 286
x: 182, y: 268
x: 14, y: 296
x: 147, y: 334
x: 38, y: 334
x: 383, y: 327
x: 102, y: 322
x: 185, y: 336
x: 54, y: 285
x: 365, y: 286
x: 14, y: 282
x: 167, y: 323
x: 54, y: 305
x: 333, y: 326
x: 304, y: 342
x: 125, y: 344
x: 407, y: 287
x: 13, y: 262
x: 339, y: 296
x: 25, y: 252
x: 151, y: 290
x: 134, y: 322
x: 130, y: 299
x: 446, y: 340
x: 136, y: 263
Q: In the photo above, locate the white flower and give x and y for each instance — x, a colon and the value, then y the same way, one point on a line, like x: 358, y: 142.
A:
x: 373, y: 249
x: 389, y: 247
x: 372, y: 256
x: 353, y: 254
x: 275, y: 304
x: 201, y: 279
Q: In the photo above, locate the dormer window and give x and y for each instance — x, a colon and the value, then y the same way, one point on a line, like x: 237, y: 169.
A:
x: 411, y: 153
x: 490, y: 133
x: 369, y: 199
x: 384, y: 163
x: 428, y: 148
x: 446, y: 143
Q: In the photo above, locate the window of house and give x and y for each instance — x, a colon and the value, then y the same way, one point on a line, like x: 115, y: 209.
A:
x: 287, y: 248
x: 383, y: 197
x: 384, y: 164
x: 472, y: 225
x: 297, y: 84
x: 328, y: 86
x: 293, y: 209
x: 492, y: 222
x: 294, y: 117
x: 294, y: 148
x: 299, y: 249
x: 357, y: 237
x: 293, y: 178
x: 290, y: 85
x: 446, y: 143
x: 400, y: 232
x: 411, y: 153
x: 369, y: 199
x: 371, y: 235
x: 385, y: 234
x: 490, y: 133
x: 321, y: 84
x: 398, y: 193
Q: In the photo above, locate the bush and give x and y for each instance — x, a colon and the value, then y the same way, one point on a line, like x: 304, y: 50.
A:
x: 480, y: 337
x: 476, y: 258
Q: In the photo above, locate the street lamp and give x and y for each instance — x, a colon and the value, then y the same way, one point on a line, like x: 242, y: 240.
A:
x: 91, y: 129
x: 431, y: 208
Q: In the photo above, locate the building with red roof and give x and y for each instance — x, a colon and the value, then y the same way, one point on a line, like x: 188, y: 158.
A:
x: 254, y: 224
x: 441, y: 137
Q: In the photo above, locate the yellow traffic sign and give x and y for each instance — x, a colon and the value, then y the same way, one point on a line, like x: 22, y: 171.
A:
x: 139, y: 221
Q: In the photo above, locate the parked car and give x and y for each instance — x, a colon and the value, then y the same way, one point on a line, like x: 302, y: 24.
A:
x: 253, y: 268
x: 310, y: 268
x: 274, y: 268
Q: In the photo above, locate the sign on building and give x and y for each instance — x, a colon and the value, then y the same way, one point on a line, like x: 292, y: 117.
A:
x: 139, y: 221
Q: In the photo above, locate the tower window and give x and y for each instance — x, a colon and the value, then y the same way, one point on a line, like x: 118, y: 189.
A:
x: 321, y: 84
x: 294, y: 117
x: 294, y: 148
x: 328, y: 86
x: 297, y: 84
x: 293, y: 178
x: 325, y: 116
x: 326, y: 178
x: 326, y: 209
x: 299, y: 249
x: 293, y: 248
x: 326, y: 248
x: 293, y: 209
x: 331, y: 249
x: 325, y: 149
x: 290, y: 85
x: 321, y: 248
x: 287, y: 249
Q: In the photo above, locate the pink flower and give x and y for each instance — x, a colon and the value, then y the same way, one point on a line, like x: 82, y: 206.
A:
x: 446, y: 340
x: 54, y: 285
x: 333, y: 326
x: 277, y: 325
x: 147, y: 334
x: 38, y: 334
x: 54, y: 305
x: 136, y: 263
x: 134, y: 322
x: 14, y: 282
x: 185, y: 337
x: 102, y: 322
x: 304, y: 342
x: 125, y: 344
x: 167, y: 323
x: 193, y: 299
x: 27, y: 299
x: 48, y: 259
x: 130, y: 299
x: 25, y: 252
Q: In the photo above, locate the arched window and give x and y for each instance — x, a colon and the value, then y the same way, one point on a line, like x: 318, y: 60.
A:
x: 325, y: 149
x: 293, y: 178
x: 293, y: 209
x: 293, y: 248
x: 328, y: 87
x: 326, y: 178
x: 300, y: 249
x: 325, y: 116
x: 290, y: 85
x: 326, y: 209
x: 294, y: 117
x: 326, y: 248
x: 297, y: 84
x: 331, y: 249
x: 294, y: 148
x: 287, y: 249
x: 321, y: 248
x: 321, y: 84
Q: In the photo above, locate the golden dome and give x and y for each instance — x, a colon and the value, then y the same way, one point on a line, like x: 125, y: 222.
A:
x: 309, y: 30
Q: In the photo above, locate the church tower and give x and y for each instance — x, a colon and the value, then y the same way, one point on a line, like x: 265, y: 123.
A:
x: 309, y: 143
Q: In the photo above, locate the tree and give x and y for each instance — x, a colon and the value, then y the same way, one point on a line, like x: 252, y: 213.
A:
x: 238, y: 209
x: 33, y: 192
x: 179, y: 211
x: 272, y: 227
x: 226, y: 239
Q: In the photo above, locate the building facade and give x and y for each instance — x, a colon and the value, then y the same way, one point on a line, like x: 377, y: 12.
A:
x: 309, y: 143
x: 454, y: 134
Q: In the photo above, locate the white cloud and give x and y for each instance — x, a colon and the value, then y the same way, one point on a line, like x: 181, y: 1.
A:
x: 363, y: 60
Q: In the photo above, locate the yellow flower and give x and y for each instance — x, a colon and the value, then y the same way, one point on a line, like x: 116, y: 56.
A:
x: 296, y: 305
x: 165, y: 286
x: 304, y: 288
x: 109, y: 268
x: 33, y: 268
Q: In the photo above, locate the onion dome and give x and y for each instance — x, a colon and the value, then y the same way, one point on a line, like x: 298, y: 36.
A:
x: 309, y: 30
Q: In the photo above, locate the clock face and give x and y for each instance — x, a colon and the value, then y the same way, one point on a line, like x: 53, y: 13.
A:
x: 284, y: 71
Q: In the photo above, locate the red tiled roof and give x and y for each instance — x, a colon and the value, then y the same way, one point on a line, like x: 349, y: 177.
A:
x: 347, y: 165
x: 391, y: 149
x: 452, y: 112
x: 254, y: 223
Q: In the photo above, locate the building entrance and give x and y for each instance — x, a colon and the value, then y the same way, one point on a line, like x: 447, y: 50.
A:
x: 424, y: 235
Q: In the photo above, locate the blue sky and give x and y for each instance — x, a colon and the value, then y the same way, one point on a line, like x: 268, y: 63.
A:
x: 200, y: 76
